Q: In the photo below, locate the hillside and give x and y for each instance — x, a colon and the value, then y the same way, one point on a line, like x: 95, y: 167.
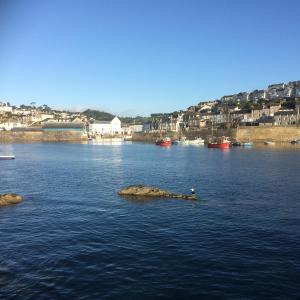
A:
x: 98, y: 115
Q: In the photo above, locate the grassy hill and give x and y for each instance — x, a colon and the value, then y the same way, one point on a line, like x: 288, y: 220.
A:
x: 104, y: 116
x: 98, y: 115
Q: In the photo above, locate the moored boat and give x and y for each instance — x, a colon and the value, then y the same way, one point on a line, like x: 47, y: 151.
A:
x: 164, y: 142
x: 247, y: 144
x: 176, y: 142
x: 5, y: 157
x: 269, y: 143
x: 196, y: 141
x: 295, y: 142
x: 128, y: 138
x: 179, y: 141
x: 220, y: 143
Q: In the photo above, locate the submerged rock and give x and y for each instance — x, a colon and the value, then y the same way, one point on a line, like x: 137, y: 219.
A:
x: 8, y: 199
x: 150, y: 191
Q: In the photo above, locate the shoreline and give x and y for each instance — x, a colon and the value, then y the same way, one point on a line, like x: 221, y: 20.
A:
x: 255, y: 134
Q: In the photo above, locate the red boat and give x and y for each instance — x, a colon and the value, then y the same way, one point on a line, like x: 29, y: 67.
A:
x: 164, y: 142
x: 222, y: 143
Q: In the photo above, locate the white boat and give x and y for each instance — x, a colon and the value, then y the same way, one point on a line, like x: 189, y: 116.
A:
x: 247, y: 144
x: 128, y: 138
x: 196, y: 141
x: 269, y: 143
x: 4, y: 157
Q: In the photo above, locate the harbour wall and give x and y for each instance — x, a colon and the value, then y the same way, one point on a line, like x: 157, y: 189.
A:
x: 273, y: 133
x: 253, y: 133
x: 246, y: 133
x: 191, y: 134
x: 41, y: 136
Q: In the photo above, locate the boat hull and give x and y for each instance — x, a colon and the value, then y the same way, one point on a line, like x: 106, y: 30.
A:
x: 164, y: 144
x: 269, y: 143
x: 5, y: 157
x: 295, y: 142
x: 219, y: 145
x: 194, y: 142
x: 247, y: 144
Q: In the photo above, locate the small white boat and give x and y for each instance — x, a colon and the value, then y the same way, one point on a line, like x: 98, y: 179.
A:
x: 269, y: 143
x: 196, y: 141
x: 4, y: 157
x: 128, y: 138
x: 247, y: 144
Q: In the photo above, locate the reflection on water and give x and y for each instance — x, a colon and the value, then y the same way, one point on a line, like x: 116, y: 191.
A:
x: 278, y: 146
x: 109, y: 142
x: 145, y: 199
x: 6, y: 149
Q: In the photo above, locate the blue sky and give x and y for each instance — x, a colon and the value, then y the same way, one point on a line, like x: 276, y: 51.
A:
x: 133, y: 57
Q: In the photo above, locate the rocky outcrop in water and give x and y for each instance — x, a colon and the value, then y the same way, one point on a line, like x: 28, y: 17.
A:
x: 150, y: 191
x: 9, y: 199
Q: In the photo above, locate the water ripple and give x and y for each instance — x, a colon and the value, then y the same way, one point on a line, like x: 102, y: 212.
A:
x: 74, y: 238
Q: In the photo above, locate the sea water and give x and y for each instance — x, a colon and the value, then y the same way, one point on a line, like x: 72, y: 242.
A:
x: 73, y: 237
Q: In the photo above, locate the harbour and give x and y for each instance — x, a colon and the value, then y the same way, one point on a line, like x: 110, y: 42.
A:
x: 149, y: 150
x: 73, y: 230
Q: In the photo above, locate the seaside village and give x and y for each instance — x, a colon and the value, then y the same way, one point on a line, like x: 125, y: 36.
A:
x: 278, y: 105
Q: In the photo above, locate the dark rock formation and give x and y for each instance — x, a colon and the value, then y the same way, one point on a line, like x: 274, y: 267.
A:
x: 8, y: 199
x: 150, y: 191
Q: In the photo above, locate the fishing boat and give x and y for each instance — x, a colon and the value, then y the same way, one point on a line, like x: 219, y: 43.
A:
x: 5, y: 157
x: 164, y: 142
x: 220, y: 143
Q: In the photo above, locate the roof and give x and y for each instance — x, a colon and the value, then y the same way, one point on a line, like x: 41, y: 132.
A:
x: 284, y: 113
x: 275, y: 85
x: 265, y: 119
x: 242, y: 111
x: 63, y: 125
x: 101, y: 122
x: 76, y: 117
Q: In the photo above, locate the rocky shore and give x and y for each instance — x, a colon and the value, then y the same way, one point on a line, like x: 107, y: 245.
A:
x: 150, y: 191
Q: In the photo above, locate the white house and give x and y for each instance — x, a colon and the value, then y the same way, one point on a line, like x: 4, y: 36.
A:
x: 105, y: 127
x: 5, y: 108
x: 10, y: 125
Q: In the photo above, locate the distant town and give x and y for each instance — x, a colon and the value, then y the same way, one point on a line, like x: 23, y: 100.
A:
x: 278, y: 105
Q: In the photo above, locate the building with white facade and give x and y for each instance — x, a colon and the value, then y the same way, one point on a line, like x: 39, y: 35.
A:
x: 285, y: 117
x: 5, y: 108
x: 10, y: 125
x: 105, y: 127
